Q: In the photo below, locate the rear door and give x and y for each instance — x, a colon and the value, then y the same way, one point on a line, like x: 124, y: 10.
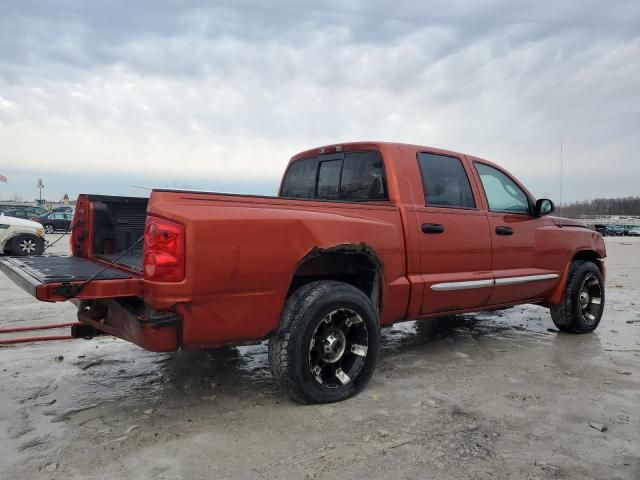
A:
x: 455, y: 245
x: 525, y: 259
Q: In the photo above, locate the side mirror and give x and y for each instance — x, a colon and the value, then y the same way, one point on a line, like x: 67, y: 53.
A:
x: 544, y: 206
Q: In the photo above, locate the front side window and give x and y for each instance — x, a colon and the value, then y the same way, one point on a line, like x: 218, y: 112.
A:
x: 445, y: 181
x: 503, y: 194
x: 352, y: 176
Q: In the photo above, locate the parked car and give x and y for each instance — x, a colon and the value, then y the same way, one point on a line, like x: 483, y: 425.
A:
x: 601, y: 229
x: 24, y: 212
x: 362, y: 235
x: 615, y: 230
x: 634, y: 232
x: 20, y: 237
x: 53, y: 222
x: 62, y: 210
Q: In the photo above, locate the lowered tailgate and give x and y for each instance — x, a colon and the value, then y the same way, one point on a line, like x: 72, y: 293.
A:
x: 58, y: 278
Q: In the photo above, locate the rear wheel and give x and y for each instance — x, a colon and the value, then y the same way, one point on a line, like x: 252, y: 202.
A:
x: 25, y: 244
x: 326, y: 347
x: 49, y: 228
x: 583, y: 302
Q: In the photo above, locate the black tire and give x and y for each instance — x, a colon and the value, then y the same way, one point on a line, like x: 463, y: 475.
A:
x: 331, y: 313
x: 27, y: 244
x: 582, y: 305
x: 49, y: 228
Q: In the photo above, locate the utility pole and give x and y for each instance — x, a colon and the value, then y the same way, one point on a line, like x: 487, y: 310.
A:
x: 561, y: 168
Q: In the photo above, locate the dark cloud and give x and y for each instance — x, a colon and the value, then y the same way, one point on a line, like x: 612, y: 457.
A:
x: 229, y: 85
x: 90, y: 34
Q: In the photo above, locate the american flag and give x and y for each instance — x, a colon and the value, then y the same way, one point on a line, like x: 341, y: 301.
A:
x: 3, y: 179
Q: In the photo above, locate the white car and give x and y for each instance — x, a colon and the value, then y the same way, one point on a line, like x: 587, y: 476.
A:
x: 634, y: 232
x: 21, y: 237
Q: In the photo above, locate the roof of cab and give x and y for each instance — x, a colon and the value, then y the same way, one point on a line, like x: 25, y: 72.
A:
x: 363, y: 145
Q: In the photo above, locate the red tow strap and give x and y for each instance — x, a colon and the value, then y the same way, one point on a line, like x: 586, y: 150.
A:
x: 36, y: 339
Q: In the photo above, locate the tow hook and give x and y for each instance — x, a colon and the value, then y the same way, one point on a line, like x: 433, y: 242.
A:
x: 159, y: 318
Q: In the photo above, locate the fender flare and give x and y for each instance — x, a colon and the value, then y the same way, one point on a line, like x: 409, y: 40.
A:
x: 556, y: 296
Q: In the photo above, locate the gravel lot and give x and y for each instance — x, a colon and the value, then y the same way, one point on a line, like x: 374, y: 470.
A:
x: 493, y: 395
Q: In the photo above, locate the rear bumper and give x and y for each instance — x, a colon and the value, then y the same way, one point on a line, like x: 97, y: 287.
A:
x: 59, y: 278
x: 157, y: 333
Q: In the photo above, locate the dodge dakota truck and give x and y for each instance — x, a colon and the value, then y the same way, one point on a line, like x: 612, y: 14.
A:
x: 361, y: 235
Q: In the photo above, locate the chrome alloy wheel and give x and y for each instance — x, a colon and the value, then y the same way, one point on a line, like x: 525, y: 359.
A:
x: 28, y: 246
x: 590, y: 298
x: 338, y: 348
x: 49, y: 229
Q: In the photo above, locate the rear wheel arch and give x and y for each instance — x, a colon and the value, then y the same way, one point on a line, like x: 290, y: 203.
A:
x: 355, y: 264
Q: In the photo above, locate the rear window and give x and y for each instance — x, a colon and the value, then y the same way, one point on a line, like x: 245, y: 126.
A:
x: 300, y: 181
x: 353, y: 176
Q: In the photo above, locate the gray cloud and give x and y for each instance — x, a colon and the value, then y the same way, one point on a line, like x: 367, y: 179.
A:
x: 231, y: 90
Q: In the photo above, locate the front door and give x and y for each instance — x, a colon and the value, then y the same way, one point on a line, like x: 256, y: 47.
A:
x: 455, y: 244
x: 524, y: 264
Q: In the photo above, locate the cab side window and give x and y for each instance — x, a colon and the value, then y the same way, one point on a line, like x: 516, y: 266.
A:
x: 445, y: 181
x: 503, y: 194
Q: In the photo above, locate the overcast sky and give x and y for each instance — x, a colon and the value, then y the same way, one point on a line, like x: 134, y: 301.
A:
x: 98, y: 96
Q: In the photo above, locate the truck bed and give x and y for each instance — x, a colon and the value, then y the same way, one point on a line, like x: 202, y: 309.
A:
x: 117, y: 224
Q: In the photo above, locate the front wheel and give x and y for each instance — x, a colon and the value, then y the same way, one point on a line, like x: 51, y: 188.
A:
x: 582, y: 305
x: 49, y: 228
x: 26, y: 244
x: 327, y: 345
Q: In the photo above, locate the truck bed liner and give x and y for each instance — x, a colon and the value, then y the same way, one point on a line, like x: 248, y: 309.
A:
x: 131, y: 260
x: 59, y: 268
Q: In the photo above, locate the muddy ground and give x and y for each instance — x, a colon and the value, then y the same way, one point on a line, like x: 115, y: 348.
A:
x: 479, y: 396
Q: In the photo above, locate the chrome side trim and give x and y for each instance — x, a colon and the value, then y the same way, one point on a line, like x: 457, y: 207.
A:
x: 443, y: 287
x: 524, y: 279
x: 448, y: 286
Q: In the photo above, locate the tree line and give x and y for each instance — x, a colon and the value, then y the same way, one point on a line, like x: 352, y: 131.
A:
x: 602, y: 206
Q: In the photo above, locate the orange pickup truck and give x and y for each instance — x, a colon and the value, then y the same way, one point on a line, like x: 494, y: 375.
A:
x: 362, y: 235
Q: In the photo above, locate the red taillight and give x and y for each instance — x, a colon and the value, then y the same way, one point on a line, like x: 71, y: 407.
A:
x: 163, y: 250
